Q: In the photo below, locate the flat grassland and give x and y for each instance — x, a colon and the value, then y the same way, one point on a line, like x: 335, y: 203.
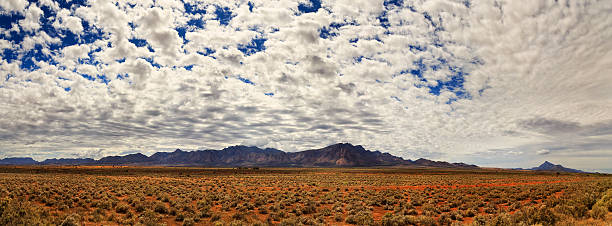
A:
x: 293, y: 196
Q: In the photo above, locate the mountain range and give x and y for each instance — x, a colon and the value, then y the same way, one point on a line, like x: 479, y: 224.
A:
x: 337, y: 155
x: 547, y: 166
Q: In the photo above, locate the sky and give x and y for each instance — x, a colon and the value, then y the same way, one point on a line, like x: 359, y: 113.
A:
x: 493, y: 83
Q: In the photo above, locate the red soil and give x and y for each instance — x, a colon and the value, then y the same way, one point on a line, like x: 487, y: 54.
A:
x: 423, y: 187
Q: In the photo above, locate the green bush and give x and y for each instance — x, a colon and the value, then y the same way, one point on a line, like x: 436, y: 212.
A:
x: 160, y: 208
x: 606, y: 201
x: 149, y: 218
x: 500, y: 220
x: 122, y: 208
x: 360, y: 218
x: 535, y: 215
x: 72, y: 220
x: 599, y: 212
x: 19, y: 213
x: 189, y: 222
x: 215, y: 217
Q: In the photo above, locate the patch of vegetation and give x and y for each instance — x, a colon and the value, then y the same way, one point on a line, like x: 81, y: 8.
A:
x: 145, y: 196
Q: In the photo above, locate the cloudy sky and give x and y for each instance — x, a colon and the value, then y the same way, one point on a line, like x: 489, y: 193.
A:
x: 493, y: 83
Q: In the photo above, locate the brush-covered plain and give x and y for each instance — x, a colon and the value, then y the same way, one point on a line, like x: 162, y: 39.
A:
x: 297, y: 196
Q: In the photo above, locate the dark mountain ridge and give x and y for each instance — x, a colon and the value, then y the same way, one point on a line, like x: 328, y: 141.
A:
x: 68, y: 161
x: 337, y: 155
x: 548, y: 166
x: 18, y: 161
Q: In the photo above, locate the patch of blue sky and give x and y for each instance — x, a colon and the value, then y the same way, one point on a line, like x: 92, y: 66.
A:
x: 68, y: 4
x: 199, y: 23
x: 103, y: 79
x: 455, y: 82
x: 383, y: 20
x: 251, y: 6
x: 10, y: 55
x: 90, y: 34
x: 152, y: 62
x: 360, y: 58
x: 310, y: 7
x: 88, y: 77
x: 28, y: 58
x: 327, y: 33
x: 206, y: 52
x: 91, y: 59
x: 8, y: 77
x: 417, y: 48
x: 245, y: 80
x: 8, y: 19
x: 138, y: 42
x: 224, y: 15
x: 7, y: 22
x: 142, y: 43
x: 191, y: 25
x: 122, y: 76
x: 256, y: 28
x: 256, y: 45
x: 390, y: 3
x: 194, y: 9
x: 437, y: 26
x: 330, y: 31
x: 455, y: 85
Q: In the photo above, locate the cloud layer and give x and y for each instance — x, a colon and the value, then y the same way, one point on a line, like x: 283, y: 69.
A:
x: 495, y: 83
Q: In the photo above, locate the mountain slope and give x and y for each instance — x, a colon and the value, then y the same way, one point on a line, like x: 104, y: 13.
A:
x: 547, y: 166
x: 337, y: 155
x: 230, y: 156
x: 18, y: 161
x: 344, y: 155
x: 442, y: 164
x: 69, y: 161
x: 131, y: 159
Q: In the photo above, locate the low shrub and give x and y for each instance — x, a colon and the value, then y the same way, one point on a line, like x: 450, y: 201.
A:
x: 122, y: 208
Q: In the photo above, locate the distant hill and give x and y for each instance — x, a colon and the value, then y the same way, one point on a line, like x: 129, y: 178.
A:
x: 69, y: 161
x: 344, y: 155
x: 547, y: 166
x: 337, y: 155
x: 18, y: 161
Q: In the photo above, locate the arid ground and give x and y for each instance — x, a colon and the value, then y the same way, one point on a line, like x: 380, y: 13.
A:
x: 291, y: 196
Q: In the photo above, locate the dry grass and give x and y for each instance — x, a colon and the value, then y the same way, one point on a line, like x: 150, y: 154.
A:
x: 196, y: 196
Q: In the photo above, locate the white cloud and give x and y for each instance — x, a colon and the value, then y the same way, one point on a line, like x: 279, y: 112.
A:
x: 63, y: 20
x: 14, y: 5
x: 543, y: 152
x: 536, y: 77
x: 32, y: 18
x: 76, y: 51
x: 5, y: 44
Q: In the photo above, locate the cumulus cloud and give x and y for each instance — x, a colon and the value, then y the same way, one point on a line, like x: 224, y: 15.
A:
x: 65, y: 21
x: 447, y: 80
x: 14, y: 5
x: 543, y: 152
x: 32, y: 18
